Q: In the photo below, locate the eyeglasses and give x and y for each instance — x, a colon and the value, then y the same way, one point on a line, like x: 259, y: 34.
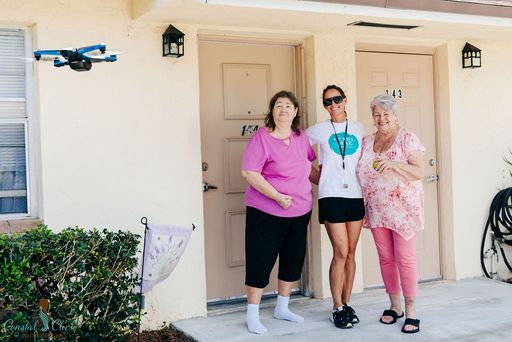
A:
x: 330, y: 100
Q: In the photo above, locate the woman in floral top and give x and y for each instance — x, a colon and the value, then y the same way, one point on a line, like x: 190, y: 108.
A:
x: 390, y: 172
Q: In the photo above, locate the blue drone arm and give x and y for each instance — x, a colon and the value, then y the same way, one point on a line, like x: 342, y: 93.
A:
x: 85, y: 49
x: 39, y: 53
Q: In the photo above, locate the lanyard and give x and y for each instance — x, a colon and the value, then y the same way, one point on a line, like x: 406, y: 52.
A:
x: 342, y: 152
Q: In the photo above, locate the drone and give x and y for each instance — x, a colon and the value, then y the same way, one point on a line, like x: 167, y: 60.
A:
x: 78, y: 59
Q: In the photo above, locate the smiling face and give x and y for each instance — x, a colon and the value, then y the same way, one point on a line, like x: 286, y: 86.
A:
x: 384, y: 120
x: 284, y: 112
x: 335, y: 110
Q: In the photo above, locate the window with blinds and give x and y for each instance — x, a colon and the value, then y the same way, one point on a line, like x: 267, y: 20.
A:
x: 13, y: 123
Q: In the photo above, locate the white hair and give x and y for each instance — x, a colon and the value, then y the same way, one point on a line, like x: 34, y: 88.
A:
x: 387, y: 102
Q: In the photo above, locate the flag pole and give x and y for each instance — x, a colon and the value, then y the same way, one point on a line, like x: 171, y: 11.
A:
x: 144, y: 221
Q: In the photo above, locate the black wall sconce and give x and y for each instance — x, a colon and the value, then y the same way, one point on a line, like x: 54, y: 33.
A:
x: 173, y: 42
x: 471, y: 57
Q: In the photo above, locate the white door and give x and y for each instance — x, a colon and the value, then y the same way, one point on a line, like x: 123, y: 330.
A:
x: 409, y: 78
x: 237, y: 81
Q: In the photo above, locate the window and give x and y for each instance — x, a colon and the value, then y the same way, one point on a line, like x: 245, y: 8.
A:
x: 15, y: 195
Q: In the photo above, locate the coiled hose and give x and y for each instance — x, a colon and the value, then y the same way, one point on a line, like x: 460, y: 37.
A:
x: 500, y: 223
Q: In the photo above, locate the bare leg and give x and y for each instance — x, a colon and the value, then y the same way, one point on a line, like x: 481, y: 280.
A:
x: 353, y: 233
x: 284, y: 288
x: 253, y: 310
x: 339, y: 240
x: 410, y: 311
x: 394, y: 298
x: 281, y: 311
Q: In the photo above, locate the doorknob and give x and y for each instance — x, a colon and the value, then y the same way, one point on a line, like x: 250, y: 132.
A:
x: 207, y: 186
x: 432, y: 178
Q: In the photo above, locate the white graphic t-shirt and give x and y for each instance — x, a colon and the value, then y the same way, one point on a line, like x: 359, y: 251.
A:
x: 334, y: 181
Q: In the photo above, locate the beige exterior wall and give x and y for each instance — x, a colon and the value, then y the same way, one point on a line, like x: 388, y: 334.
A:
x: 123, y: 141
x: 480, y: 138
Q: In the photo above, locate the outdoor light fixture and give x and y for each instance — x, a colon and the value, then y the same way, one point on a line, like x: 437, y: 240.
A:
x: 471, y: 57
x: 173, y: 42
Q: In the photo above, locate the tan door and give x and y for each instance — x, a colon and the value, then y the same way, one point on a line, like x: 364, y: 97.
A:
x: 237, y: 81
x: 410, y: 79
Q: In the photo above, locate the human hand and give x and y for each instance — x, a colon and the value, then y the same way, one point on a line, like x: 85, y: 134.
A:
x: 380, y: 165
x: 284, y: 200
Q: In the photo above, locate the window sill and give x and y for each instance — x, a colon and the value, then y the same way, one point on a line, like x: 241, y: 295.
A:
x: 18, y: 225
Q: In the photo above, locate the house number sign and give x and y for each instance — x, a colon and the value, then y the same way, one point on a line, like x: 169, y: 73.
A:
x: 396, y: 93
x: 249, y: 130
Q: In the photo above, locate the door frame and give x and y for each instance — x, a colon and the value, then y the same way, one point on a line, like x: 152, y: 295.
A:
x: 444, y: 244
x: 300, y: 93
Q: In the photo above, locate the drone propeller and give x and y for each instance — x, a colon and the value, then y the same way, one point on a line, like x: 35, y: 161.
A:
x: 106, y: 53
x: 43, y: 59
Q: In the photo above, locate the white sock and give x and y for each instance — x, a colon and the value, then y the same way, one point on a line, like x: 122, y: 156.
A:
x: 253, y: 319
x: 282, y: 312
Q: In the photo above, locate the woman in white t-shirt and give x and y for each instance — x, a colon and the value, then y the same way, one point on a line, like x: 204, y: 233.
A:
x: 340, y: 200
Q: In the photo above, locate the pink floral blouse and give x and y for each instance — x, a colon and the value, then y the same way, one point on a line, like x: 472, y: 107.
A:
x: 390, y: 200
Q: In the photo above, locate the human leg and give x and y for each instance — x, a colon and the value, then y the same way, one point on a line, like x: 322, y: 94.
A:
x: 383, y: 238
x: 281, y: 310
x: 291, y: 261
x: 254, y: 324
x: 338, y: 236
x: 353, y: 233
x: 405, y: 254
x: 262, y: 240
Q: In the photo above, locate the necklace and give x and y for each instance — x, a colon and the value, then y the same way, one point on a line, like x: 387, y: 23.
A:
x: 342, y: 152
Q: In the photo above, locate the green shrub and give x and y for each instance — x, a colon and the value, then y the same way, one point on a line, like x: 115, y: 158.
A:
x: 88, y: 277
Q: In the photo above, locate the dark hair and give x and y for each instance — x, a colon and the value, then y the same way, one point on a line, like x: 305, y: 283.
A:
x: 333, y: 86
x: 269, y: 119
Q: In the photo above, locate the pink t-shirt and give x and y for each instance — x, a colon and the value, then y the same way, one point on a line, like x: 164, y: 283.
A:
x: 285, y: 167
x: 390, y: 200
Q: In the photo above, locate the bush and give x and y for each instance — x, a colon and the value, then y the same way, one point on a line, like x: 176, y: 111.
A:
x: 75, y: 285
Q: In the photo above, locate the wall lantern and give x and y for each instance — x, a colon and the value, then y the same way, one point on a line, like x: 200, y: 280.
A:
x: 173, y: 42
x: 471, y: 57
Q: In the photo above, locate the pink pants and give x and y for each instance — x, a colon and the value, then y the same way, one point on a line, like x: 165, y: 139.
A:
x: 397, y: 257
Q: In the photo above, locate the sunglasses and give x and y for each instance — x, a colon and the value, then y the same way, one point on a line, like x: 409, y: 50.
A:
x: 330, y: 100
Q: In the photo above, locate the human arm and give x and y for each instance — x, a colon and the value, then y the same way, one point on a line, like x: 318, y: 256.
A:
x: 257, y: 181
x: 314, y: 176
x: 412, y: 170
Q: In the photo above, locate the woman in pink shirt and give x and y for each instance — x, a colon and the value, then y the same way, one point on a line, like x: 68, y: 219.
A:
x: 279, y: 199
x: 390, y: 172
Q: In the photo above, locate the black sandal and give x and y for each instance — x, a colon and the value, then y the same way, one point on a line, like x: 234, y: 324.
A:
x: 413, y: 322
x: 393, y: 314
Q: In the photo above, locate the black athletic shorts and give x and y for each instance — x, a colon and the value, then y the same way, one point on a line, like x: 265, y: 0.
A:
x: 340, y: 209
x: 266, y: 237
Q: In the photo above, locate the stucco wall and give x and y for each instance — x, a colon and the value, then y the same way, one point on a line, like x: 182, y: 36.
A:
x: 480, y: 137
x: 121, y: 141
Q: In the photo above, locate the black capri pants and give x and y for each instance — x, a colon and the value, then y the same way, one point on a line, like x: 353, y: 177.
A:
x: 266, y: 237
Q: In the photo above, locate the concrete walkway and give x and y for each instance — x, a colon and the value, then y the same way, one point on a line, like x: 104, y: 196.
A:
x: 475, y: 309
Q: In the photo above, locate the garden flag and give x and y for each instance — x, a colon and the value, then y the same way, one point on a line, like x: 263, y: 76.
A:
x: 164, y: 246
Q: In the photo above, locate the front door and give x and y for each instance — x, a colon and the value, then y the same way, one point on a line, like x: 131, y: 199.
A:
x: 409, y: 78
x: 237, y: 81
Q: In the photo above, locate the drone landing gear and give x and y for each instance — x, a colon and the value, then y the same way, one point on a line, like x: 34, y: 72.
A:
x: 80, y: 65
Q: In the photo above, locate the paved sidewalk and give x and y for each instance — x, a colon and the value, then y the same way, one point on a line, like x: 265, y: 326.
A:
x: 476, y: 309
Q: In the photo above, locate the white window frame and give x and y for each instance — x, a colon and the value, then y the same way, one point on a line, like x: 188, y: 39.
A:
x: 32, y: 151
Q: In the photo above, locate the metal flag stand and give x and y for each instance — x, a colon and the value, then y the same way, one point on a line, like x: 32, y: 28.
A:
x: 144, y: 221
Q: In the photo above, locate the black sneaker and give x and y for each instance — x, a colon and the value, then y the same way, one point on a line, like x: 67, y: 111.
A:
x: 352, y: 313
x: 341, y: 318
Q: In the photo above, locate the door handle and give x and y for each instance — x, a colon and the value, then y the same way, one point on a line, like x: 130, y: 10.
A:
x: 432, y: 178
x: 207, y: 186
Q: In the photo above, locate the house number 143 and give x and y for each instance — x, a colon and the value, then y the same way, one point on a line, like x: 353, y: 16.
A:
x: 396, y: 93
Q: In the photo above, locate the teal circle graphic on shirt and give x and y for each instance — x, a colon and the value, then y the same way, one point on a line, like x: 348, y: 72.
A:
x: 352, y: 143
